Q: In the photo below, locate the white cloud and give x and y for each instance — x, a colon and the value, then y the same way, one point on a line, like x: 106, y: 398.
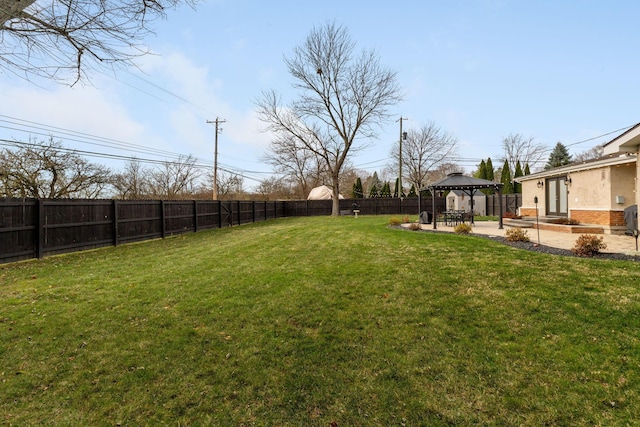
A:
x: 80, y: 109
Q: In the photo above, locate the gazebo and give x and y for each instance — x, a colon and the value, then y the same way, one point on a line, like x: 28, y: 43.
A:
x: 466, y: 184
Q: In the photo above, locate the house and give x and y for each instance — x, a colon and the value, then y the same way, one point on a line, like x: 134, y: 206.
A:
x: 596, y: 192
x: 459, y: 200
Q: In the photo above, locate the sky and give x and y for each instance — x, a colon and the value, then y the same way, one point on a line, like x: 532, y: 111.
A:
x: 557, y: 71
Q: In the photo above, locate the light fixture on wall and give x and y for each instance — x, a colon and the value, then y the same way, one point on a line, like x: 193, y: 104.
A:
x: 568, y: 179
x: 540, y: 184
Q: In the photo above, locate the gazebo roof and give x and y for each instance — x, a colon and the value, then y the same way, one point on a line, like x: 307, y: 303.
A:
x: 458, y: 181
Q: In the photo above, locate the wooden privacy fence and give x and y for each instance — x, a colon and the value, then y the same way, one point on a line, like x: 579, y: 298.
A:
x: 510, y: 203
x: 31, y: 228
x: 37, y: 228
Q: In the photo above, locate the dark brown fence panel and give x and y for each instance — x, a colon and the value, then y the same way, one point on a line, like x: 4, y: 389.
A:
x: 18, y: 229
x: 296, y: 208
x: 208, y: 214
x: 510, y: 203
x: 245, y: 212
x: 139, y: 220
x: 179, y: 217
x: 319, y: 207
x: 70, y: 225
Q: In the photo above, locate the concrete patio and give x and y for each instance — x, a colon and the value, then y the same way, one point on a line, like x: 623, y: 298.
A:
x: 615, y: 243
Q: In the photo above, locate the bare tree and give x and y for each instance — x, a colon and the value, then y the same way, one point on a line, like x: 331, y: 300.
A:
x: 230, y: 185
x: 442, y: 170
x: 273, y: 188
x: 425, y: 150
x: 518, y: 148
x: 132, y: 183
x: 343, y: 97
x: 62, y: 39
x: 590, y: 154
x: 48, y: 170
x: 301, y: 166
x: 174, y: 179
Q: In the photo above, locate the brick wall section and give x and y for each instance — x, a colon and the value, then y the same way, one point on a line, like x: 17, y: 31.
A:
x: 529, y: 212
x: 610, y: 218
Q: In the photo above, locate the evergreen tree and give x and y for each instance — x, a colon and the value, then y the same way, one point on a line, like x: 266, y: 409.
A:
x: 375, y: 186
x: 559, y: 157
x: 488, y: 175
x: 482, y: 170
x: 412, y: 191
x: 395, y: 192
x: 373, y: 191
x: 527, y: 171
x: 386, y: 190
x: 518, y: 172
x: 357, y: 192
x: 505, y: 179
x: 489, y: 170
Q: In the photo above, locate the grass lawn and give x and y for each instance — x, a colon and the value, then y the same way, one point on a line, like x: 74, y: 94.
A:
x: 319, y: 321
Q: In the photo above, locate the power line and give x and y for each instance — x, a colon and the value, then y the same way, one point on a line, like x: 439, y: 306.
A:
x: 46, y: 130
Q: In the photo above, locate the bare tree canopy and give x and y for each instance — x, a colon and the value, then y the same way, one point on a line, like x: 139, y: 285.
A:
x: 230, y: 185
x: 175, y: 179
x: 62, y: 39
x: 517, y: 148
x: 424, y: 150
x: 590, y: 154
x: 132, y: 182
x: 48, y: 170
x: 343, y: 97
x: 299, y: 165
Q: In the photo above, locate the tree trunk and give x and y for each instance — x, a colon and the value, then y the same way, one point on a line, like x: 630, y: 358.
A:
x: 10, y: 9
x: 335, y: 207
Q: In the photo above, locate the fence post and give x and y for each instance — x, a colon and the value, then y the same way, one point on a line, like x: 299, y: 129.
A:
x: 114, y: 219
x: 195, y: 216
x: 253, y: 211
x: 163, y: 227
x: 40, y: 229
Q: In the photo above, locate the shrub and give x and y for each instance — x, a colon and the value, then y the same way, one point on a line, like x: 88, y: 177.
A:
x: 414, y: 226
x: 589, y: 245
x: 517, y: 235
x: 405, y: 219
x: 394, y: 221
x: 462, y: 228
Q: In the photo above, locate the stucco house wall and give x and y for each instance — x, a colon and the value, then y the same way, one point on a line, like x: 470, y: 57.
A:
x: 530, y: 191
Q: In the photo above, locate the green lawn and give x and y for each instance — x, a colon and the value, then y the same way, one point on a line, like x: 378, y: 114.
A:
x: 319, y: 321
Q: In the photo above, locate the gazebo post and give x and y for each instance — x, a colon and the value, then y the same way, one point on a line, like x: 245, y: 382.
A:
x: 433, y: 206
x: 500, y: 203
x: 472, y: 191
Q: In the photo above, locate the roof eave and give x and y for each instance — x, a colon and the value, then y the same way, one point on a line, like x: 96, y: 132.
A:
x: 578, y: 167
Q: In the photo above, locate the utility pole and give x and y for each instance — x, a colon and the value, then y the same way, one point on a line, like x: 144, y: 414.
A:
x: 403, y: 135
x: 217, y: 122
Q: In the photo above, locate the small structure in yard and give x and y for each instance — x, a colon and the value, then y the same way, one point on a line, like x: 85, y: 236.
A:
x: 322, y: 193
x: 459, y: 200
